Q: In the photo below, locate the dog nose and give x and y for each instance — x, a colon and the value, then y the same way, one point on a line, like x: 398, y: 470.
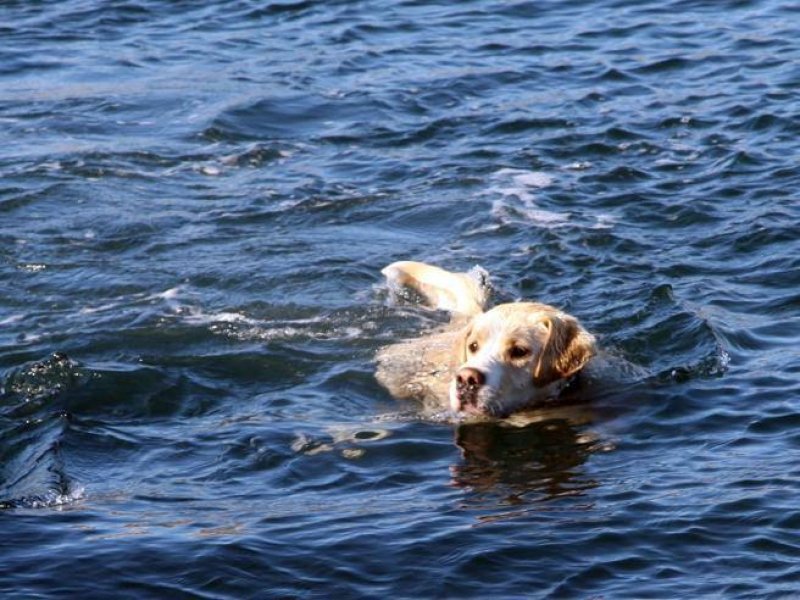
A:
x: 470, y: 378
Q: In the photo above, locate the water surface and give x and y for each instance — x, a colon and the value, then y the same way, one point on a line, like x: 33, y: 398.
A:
x: 196, y: 202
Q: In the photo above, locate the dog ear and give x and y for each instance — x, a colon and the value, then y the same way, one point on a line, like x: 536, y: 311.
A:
x: 566, y: 350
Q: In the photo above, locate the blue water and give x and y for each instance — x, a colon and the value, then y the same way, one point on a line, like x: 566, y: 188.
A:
x: 196, y: 200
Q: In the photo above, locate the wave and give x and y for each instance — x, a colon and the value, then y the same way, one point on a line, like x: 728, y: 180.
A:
x: 516, y: 198
x: 516, y: 201
x: 33, y: 423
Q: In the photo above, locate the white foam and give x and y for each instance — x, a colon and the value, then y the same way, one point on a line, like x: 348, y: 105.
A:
x: 170, y: 294
x: 530, y: 179
x: 517, y: 201
x: 211, y: 170
x: 31, y: 338
x: 604, y: 221
x: 263, y: 334
x: 12, y: 319
x: 722, y: 363
x: 182, y: 303
x: 33, y: 267
x: 170, y: 297
x: 89, y: 310
x: 54, y: 500
x: 268, y: 332
x: 507, y: 214
x: 197, y: 316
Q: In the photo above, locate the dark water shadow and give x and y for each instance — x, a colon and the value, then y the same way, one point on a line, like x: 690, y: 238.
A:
x: 507, y: 466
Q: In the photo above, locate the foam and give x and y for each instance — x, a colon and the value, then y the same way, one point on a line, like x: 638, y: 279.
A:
x: 604, y: 221
x: 514, y: 202
x: 517, y: 201
x: 89, y: 310
x: 197, y: 316
x: 12, y: 319
x: 526, y: 178
x: 300, y: 329
x: 54, y: 499
x: 180, y: 303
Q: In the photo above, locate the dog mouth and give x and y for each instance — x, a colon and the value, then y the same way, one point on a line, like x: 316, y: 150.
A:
x: 473, y: 409
x: 476, y: 399
x: 469, y: 402
x: 466, y: 398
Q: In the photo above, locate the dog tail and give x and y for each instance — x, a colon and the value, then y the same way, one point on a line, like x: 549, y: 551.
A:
x: 462, y: 293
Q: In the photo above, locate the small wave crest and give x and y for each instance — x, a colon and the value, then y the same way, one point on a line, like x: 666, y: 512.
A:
x: 50, y: 499
x: 183, y: 306
x: 516, y: 199
x: 33, y: 421
x: 675, y: 339
x: 39, y: 380
x: 266, y: 331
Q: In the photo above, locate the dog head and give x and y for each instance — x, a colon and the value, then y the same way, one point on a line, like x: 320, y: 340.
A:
x: 515, y: 355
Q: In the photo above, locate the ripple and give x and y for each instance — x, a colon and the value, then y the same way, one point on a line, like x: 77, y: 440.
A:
x: 44, y: 380
x: 520, y: 125
x: 281, y: 118
x: 196, y: 204
x: 33, y: 422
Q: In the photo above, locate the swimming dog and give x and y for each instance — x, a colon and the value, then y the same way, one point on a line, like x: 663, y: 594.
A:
x: 490, y: 363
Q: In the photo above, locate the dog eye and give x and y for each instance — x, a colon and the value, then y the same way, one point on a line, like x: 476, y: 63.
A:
x: 518, y: 352
x: 473, y: 347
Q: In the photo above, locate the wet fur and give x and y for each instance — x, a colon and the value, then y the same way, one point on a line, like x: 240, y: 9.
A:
x: 555, y: 346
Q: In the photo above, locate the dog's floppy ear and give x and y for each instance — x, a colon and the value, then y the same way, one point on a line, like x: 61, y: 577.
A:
x: 567, y: 348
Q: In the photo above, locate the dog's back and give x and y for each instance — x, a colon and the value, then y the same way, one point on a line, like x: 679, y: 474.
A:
x: 422, y: 368
x: 419, y: 369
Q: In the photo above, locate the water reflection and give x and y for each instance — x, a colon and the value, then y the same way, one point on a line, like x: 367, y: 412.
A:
x: 531, y: 459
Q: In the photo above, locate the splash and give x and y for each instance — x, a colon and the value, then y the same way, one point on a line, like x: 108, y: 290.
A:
x: 517, y: 201
x: 55, y: 499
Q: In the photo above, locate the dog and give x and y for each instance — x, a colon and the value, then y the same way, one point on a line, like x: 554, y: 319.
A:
x: 485, y: 363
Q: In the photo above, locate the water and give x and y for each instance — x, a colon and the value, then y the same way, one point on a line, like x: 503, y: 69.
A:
x: 196, y: 201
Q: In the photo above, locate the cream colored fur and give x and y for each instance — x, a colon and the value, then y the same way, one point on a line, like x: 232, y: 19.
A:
x: 487, y: 362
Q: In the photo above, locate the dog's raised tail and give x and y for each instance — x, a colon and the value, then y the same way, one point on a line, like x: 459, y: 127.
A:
x: 461, y: 293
